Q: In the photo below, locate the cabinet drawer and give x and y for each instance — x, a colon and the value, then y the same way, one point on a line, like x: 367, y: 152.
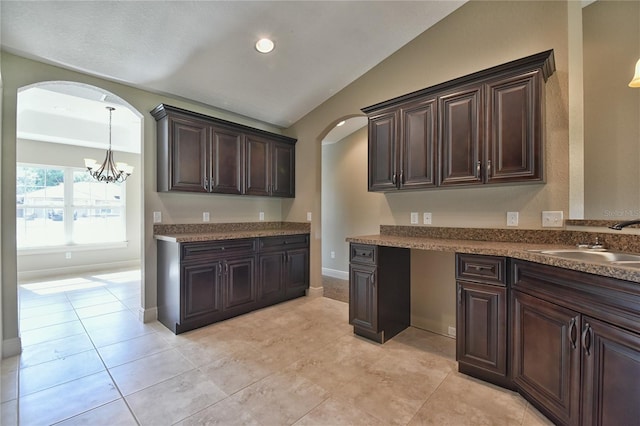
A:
x: 286, y: 241
x: 360, y: 253
x: 208, y: 249
x: 480, y: 268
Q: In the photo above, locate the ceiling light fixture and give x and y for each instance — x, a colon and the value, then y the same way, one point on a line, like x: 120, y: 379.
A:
x: 109, y: 171
x: 635, y: 81
x: 264, y: 45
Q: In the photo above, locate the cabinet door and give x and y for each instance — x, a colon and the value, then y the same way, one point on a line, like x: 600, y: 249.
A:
x: 482, y: 327
x: 240, y: 283
x: 546, y: 355
x: 257, y: 178
x: 226, y: 162
x: 283, y: 170
x: 363, y: 297
x: 201, y: 290
x: 460, y: 133
x: 611, y: 368
x: 272, y: 275
x: 514, y: 128
x: 188, y: 155
x: 383, y: 151
x: 297, y: 269
x: 418, y: 148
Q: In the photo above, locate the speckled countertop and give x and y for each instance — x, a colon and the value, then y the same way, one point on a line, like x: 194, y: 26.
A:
x: 185, y: 233
x: 480, y: 243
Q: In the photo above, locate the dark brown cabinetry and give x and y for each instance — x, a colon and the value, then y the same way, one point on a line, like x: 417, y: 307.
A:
x: 203, y: 282
x: 482, y: 321
x: 270, y: 168
x: 284, y: 267
x: 197, y: 153
x: 483, y: 128
x: 576, y: 344
x: 379, y: 291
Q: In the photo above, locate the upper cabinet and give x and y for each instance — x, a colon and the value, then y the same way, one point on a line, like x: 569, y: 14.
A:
x: 197, y: 153
x: 484, y: 128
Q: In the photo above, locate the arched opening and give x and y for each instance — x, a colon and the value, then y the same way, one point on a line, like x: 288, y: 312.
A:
x: 74, y: 235
x: 343, y: 195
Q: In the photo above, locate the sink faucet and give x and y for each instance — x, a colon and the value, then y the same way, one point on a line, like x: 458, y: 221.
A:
x: 620, y: 225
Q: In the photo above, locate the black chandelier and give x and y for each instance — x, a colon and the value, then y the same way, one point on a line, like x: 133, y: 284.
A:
x: 109, y: 171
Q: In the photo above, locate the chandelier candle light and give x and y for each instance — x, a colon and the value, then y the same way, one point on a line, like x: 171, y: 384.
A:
x: 109, y: 171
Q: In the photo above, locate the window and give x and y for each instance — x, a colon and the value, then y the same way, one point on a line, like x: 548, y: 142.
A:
x: 61, y: 206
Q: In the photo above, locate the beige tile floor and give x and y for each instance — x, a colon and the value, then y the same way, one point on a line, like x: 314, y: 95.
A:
x: 87, y: 360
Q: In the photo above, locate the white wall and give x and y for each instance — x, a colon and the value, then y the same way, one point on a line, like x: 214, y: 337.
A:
x: 348, y: 209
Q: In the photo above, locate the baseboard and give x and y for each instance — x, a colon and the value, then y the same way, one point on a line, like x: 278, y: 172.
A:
x: 148, y: 315
x: 26, y: 276
x: 11, y: 347
x: 315, y: 291
x: 334, y: 273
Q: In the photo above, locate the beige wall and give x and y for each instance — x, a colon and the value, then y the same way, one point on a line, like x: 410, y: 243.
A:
x: 478, y: 35
x: 347, y: 207
x: 612, y: 110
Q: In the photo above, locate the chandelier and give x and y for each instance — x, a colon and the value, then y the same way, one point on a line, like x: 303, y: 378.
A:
x: 109, y: 171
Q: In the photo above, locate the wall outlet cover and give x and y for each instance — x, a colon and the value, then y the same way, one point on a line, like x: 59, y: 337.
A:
x: 426, y: 218
x: 552, y: 219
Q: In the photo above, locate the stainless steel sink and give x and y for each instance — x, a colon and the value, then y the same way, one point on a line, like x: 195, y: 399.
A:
x: 595, y: 256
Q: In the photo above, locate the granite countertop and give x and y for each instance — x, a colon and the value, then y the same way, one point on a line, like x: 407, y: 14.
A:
x: 186, y: 233
x: 517, y: 250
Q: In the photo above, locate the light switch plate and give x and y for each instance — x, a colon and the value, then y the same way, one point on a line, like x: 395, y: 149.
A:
x: 512, y: 218
x: 426, y: 218
x: 414, y: 218
x: 552, y: 219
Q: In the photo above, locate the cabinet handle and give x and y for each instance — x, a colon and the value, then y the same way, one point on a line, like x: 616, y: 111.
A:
x: 478, y: 169
x: 586, y: 339
x: 572, y: 332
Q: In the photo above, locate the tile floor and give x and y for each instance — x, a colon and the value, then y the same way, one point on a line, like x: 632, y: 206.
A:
x: 87, y: 360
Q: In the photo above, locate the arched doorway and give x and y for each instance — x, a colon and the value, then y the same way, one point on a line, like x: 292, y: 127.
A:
x: 72, y: 232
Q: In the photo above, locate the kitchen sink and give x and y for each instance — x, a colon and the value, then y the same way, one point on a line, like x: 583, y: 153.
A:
x: 628, y: 259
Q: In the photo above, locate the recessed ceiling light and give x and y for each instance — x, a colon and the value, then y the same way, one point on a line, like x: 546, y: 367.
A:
x: 264, y: 45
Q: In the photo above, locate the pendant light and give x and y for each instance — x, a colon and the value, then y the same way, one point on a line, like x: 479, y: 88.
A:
x: 635, y: 82
x: 109, y: 171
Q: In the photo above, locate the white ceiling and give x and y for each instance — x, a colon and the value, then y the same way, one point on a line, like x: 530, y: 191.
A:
x: 204, y: 50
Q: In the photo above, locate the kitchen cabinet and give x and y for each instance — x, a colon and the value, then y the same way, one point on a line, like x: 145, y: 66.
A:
x: 284, y: 267
x: 576, y: 344
x: 483, y: 128
x: 402, y: 147
x: 200, y: 283
x: 379, y: 290
x: 270, y: 168
x: 482, y: 320
x: 197, y: 153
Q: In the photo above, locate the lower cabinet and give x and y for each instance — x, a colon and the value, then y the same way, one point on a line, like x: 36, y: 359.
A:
x: 379, y: 291
x: 203, y: 282
x: 482, y: 344
x: 576, y: 344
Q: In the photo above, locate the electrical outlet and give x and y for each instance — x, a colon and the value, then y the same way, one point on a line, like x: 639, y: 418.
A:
x: 512, y: 218
x: 333, y: 254
x: 205, y: 216
x: 414, y: 218
x: 451, y: 331
x: 261, y: 216
x: 426, y: 218
x: 552, y: 219
x: 157, y: 217
x: 308, y: 216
